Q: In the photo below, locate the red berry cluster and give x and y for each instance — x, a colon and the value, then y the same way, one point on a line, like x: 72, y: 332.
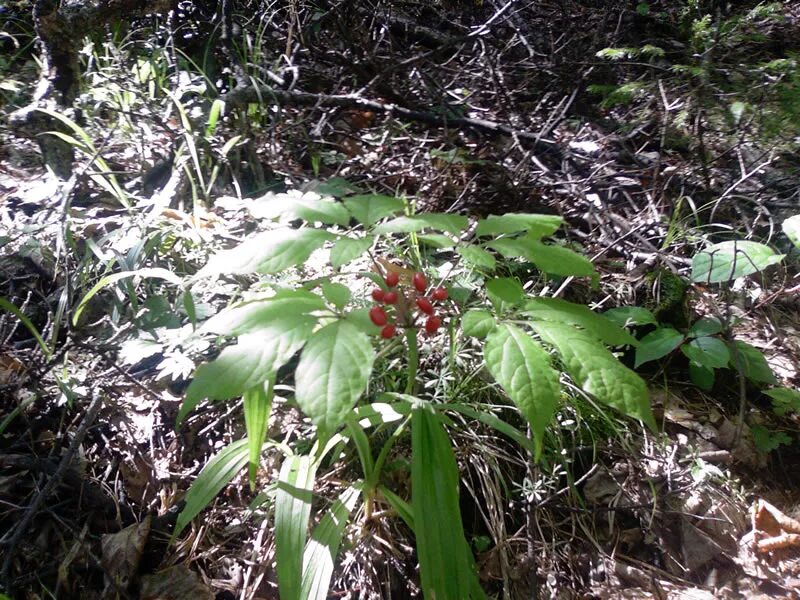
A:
x: 424, y: 303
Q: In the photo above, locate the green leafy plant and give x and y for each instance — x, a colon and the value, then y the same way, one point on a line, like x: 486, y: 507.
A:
x: 380, y: 286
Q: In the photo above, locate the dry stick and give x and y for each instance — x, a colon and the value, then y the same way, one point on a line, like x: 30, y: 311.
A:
x: 49, y: 488
x: 264, y: 93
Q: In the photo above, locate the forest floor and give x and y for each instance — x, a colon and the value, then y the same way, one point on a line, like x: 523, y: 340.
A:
x: 709, y: 507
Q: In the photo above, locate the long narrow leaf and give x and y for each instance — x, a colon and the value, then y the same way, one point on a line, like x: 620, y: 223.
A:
x: 218, y: 473
x: 6, y: 305
x: 292, y: 511
x: 321, y: 550
x: 445, y: 561
x: 257, y: 407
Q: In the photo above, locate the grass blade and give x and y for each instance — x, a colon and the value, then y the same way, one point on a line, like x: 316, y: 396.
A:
x: 257, y: 408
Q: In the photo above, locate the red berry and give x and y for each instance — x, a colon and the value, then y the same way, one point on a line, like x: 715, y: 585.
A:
x: 440, y: 293
x: 425, y: 305
x: 392, y: 279
x: 420, y: 283
x: 388, y: 332
x: 432, y: 324
x: 377, y: 315
x: 390, y: 297
x: 378, y: 294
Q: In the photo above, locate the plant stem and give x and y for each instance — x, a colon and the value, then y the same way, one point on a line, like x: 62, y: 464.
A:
x: 413, y: 359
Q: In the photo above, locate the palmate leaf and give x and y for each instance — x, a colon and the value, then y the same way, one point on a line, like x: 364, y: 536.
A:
x: 323, y: 546
x: 709, y: 352
x: 269, y: 252
x: 292, y: 511
x: 522, y: 368
x: 309, y: 207
x: 446, y: 565
x: 332, y: 373
x: 368, y: 209
x: 727, y: 261
x: 657, y: 344
x: 250, y: 362
x: 218, y: 473
x: 477, y: 257
x: 595, y: 370
x: 534, y: 225
x: 477, y: 323
x: 347, y: 249
x: 552, y: 259
x: 753, y: 364
x: 454, y: 224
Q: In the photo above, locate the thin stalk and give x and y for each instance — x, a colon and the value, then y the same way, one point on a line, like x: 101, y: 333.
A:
x: 413, y: 359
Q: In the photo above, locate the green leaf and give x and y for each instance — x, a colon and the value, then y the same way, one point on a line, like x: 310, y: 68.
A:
x: 10, y: 307
x: 729, y: 260
x: 454, y: 224
x: 701, y: 376
x: 371, y: 208
x: 333, y: 371
x: 292, y: 511
x: 248, y: 317
x: 710, y: 352
x: 250, y: 362
x: 218, y: 473
x: 631, y: 315
x: 400, y: 506
x: 537, y: 226
x: 257, y: 408
x: 307, y: 206
x: 561, y: 311
x: 598, y: 372
x: 791, y: 227
x: 347, y: 249
x: 522, y: 368
x: 445, y: 562
x: 657, y: 344
x: 321, y: 550
x: 704, y: 327
x: 754, y: 365
x: 269, y: 252
x: 488, y: 418
x: 436, y: 240
x: 336, y: 293
x: 477, y: 323
x: 767, y: 441
x: 360, y: 319
x: 504, y: 292
x: 784, y: 400
x: 477, y: 258
x: 558, y: 260
x: 147, y: 273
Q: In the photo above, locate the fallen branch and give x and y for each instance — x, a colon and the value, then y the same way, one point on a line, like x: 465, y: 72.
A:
x: 265, y: 94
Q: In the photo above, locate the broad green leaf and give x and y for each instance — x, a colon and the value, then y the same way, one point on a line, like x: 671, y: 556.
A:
x: 436, y: 240
x: 445, y: 561
x: 147, y: 273
x: 705, y: 326
x: 477, y: 323
x: 218, y: 473
x: 784, y: 400
x: 454, y: 224
x: 477, y: 257
x: 522, y: 368
x: 561, y: 311
x: 336, y: 293
x: 631, y: 315
x: 729, y: 260
x: 323, y: 546
x: 347, y: 249
x: 791, y: 227
x: 332, y: 373
x: 767, y: 440
x: 558, y: 260
x: 754, y: 365
x: 504, y: 292
x: 710, y: 352
x: 269, y: 252
x: 257, y: 408
x: 310, y: 207
x: 657, y: 344
x: 247, y: 317
x: 292, y: 510
x: 371, y: 208
x: 250, y: 362
x: 538, y: 226
x: 360, y: 319
x: 598, y: 372
x: 702, y: 377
